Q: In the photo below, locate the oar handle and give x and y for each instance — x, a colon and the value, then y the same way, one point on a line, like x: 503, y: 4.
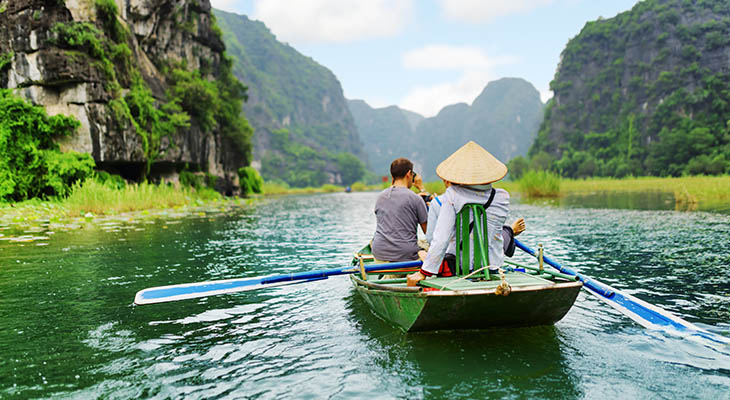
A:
x: 587, y: 282
x: 324, y: 273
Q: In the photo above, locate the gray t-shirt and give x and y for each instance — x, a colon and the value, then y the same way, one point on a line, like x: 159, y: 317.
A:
x: 398, y: 212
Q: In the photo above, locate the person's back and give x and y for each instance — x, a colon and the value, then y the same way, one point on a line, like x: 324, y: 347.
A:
x: 470, y: 170
x: 398, y: 212
x: 454, y: 200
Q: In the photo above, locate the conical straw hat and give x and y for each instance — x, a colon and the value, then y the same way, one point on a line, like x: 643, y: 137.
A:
x: 471, y: 165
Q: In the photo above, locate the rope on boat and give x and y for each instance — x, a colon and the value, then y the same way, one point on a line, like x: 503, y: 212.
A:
x: 504, y: 289
x: 463, y: 277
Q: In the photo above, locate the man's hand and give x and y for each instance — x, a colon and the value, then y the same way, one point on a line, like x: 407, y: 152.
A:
x: 414, y: 278
x: 418, y: 183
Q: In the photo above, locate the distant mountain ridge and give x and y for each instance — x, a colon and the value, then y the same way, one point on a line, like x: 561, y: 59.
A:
x: 387, y: 133
x: 304, y: 133
x: 504, y: 119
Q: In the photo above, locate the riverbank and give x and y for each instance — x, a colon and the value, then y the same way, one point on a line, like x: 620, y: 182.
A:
x: 691, y: 193
x: 95, y: 204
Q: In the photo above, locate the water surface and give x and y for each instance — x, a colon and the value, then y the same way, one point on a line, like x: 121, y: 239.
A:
x: 69, y: 328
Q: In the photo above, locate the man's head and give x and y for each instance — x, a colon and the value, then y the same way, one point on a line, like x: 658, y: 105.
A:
x: 400, y: 167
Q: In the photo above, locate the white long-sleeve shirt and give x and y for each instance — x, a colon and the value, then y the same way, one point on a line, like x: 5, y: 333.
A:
x: 433, y: 215
x: 444, y: 235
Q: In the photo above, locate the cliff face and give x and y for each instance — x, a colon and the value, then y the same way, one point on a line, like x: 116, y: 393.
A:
x: 111, y: 64
x: 291, y: 92
x: 645, y: 91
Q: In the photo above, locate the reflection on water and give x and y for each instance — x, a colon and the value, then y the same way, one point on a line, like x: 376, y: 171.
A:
x: 629, y: 200
x: 69, y: 328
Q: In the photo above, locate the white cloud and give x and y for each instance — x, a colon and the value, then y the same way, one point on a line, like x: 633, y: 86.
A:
x: 339, y: 21
x: 473, y: 68
x: 483, y: 11
x: 225, y: 5
x: 446, y: 57
x: 429, y: 100
x: 546, y: 94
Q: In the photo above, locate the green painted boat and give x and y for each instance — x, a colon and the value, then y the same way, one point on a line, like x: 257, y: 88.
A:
x: 535, y: 297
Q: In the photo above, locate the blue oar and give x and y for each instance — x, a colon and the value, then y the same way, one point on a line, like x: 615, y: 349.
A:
x: 645, y: 314
x: 162, y: 294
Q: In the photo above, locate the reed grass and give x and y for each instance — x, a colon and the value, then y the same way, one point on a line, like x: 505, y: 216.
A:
x: 101, y: 198
x: 690, y: 192
x: 539, y: 184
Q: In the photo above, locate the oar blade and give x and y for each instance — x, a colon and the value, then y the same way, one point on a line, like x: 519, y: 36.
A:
x: 163, y: 294
x: 641, y: 312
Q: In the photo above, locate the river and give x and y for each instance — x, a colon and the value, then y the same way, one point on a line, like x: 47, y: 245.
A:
x: 69, y: 329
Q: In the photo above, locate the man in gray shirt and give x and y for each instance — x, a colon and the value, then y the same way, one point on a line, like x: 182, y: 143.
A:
x: 399, y: 211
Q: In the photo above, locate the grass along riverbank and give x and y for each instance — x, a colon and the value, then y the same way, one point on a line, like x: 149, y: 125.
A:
x: 93, y: 202
x: 690, y: 192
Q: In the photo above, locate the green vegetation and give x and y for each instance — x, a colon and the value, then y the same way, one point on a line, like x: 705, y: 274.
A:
x: 6, y: 59
x: 106, y: 198
x: 539, y: 184
x: 302, y: 166
x: 295, y: 95
x: 665, y: 117
x: 192, y: 100
x: 250, y: 180
x: 31, y: 164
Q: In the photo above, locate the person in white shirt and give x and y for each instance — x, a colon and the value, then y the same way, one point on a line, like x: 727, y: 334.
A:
x: 471, y: 170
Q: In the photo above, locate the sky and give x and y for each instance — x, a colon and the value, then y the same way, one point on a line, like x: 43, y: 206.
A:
x: 422, y: 55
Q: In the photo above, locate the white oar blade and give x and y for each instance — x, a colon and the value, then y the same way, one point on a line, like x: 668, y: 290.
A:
x: 163, y: 294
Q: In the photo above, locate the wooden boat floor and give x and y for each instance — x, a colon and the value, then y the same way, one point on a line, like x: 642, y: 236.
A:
x: 514, y: 279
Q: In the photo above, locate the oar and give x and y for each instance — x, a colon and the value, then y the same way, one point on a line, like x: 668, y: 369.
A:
x: 645, y: 314
x: 163, y: 294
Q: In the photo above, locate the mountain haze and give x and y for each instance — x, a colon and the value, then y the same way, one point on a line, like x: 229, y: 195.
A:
x: 304, y: 133
x: 387, y: 133
x: 504, y: 119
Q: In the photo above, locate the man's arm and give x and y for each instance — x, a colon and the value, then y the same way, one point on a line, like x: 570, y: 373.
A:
x: 423, y: 226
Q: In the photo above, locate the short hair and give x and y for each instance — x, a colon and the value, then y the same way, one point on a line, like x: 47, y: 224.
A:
x: 400, y: 167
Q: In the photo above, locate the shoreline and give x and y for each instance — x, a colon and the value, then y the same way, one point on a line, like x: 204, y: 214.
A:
x: 692, y: 193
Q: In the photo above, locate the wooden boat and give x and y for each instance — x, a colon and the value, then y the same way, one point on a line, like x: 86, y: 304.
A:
x: 534, y: 296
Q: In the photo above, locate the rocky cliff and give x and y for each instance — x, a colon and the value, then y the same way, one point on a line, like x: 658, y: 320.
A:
x: 147, y: 79
x: 305, y: 134
x: 645, y: 92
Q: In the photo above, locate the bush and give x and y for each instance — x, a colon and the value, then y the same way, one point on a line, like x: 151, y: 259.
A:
x: 350, y: 167
x: 190, y: 179
x: 114, y: 181
x: 517, y: 167
x: 30, y: 163
x: 330, y: 188
x: 250, y: 180
x: 540, y: 184
x: 65, y: 169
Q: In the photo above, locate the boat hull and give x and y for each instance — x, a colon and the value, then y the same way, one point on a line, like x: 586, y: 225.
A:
x: 470, y: 309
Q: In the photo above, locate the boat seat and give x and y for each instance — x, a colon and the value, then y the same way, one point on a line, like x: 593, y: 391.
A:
x: 471, y: 240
